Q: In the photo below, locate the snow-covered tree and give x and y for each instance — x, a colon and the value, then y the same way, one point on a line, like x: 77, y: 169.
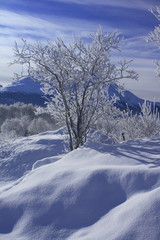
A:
x: 14, y: 127
x: 150, y: 120
x: 21, y: 119
x: 154, y: 36
x: 108, y: 123
x: 77, y: 76
x: 156, y: 12
x: 144, y: 124
x: 130, y: 126
x: 39, y: 125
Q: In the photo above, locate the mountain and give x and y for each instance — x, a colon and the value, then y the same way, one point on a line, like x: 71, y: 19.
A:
x: 126, y: 99
x: 28, y: 91
x: 25, y: 90
x: 24, y: 85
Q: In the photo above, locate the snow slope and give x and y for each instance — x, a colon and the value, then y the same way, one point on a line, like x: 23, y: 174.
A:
x: 19, y: 156
x: 97, y: 192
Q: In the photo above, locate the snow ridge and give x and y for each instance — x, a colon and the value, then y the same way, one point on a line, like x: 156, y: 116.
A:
x: 99, y: 191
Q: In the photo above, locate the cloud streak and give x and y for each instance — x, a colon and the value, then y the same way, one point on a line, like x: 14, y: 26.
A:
x: 148, y: 85
x: 136, y: 4
x: 15, y: 26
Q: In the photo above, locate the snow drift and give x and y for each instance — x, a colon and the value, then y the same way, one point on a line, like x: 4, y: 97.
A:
x: 19, y: 156
x: 97, y: 192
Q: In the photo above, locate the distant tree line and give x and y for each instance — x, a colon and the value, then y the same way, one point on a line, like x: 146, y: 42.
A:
x: 21, y: 119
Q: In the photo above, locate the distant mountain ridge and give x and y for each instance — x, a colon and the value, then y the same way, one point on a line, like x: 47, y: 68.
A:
x: 25, y: 90
x: 126, y: 99
x: 24, y: 85
x: 28, y: 91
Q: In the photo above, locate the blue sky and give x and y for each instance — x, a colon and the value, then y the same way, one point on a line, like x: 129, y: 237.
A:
x: 48, y: 19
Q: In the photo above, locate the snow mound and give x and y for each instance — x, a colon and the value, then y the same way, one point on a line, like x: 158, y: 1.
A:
x: 97, y: 192
x: 19, y: 156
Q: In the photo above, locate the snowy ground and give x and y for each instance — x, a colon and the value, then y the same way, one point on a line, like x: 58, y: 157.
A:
x: 97, y: 192
x: 19, y: 156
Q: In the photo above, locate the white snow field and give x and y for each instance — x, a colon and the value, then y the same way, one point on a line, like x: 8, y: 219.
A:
x: 97, y: 192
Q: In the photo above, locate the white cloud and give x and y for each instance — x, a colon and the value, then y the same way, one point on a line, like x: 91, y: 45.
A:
x: 137, y: 47
x: 148, y: 84
x: 17, y: 26
x: 135, y: 4
x: 12, y: 19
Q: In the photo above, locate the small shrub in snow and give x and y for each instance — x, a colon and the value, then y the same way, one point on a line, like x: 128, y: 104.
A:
x: 38, y: 125
x: 108, y: 124
x: 145, y: 124
x: 132, y: 126
x: 154, y: 36
x: 22, y: 120
x: 14, y: 127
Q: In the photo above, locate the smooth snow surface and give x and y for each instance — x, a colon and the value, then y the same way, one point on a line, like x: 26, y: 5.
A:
x: 97, y: 192
x: 21, y: 155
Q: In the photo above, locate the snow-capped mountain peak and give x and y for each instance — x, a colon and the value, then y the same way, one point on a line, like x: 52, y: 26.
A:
x: 24, y: 85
